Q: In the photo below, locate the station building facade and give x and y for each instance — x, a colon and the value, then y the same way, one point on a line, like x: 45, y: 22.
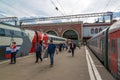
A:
x: 72, y: 30
x: 91, y: 29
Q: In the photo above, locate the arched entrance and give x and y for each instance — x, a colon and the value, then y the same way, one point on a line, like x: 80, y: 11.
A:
x: 52, y: 33
x: 70, y: 34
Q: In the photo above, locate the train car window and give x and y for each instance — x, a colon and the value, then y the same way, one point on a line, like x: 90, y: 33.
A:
x: 7, y: 32
x: 100, y: 29
x: 2, y: 32
x: 12, y: 32
x: 49, y: 38
x: 55, y: 39
x: 113, y: 46
x: 92, y: 31
x: 52, y: 38
x: 101, y: 47
x: 96, y: 30
x: 108, y: 45
x: 17, y: 33
x: 22, y: 34
x: 118, y: 43
x: 96, y: 42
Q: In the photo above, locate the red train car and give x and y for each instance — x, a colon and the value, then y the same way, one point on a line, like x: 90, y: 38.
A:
x: 106, y: 46
x: 114, y: 49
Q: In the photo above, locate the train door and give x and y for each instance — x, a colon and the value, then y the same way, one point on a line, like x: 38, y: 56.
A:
x: 113, y: 56
x: 118, y: 43
x: 2, y: 53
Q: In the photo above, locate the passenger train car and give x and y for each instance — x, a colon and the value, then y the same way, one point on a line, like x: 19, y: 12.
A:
x: 106, y: 46
x: 24, y: 38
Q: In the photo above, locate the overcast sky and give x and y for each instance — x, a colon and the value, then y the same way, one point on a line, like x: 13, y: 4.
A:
x: 43, y: 8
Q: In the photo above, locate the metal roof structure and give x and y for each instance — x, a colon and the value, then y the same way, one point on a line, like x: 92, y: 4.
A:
x: 77, y: 16
x: 67, y: 17
x: 8, y: 19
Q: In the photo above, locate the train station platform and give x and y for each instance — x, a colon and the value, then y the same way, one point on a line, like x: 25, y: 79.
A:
x: 83, y: 66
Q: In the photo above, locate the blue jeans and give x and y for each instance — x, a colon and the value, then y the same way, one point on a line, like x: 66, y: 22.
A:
x: 51, y: 58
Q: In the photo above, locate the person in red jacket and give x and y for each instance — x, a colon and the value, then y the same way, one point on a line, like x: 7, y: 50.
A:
x: 13, y: 52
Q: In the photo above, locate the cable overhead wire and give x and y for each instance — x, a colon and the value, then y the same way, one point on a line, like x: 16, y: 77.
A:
x: 98, y: 9
x: 76, y: 5
x: 61, y: 6
x: 117, y: 8
x: 14, y: 8
x: 77, y: 2
x: 105, y: 8
x: 56, y: 7
x: 107, y: 4
x: 73, y: 9
x: 1, y: 15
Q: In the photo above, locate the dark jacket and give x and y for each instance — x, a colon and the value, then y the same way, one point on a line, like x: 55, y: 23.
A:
x: 51, y: 48
x: 74, y: 46
x: 38, y: 48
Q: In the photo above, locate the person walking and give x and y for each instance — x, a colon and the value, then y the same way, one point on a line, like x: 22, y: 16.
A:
x: 38, y: 51
x: 60, y: 47
x: 51, y: 51
x: 72, y: 47
x: 13, y: 52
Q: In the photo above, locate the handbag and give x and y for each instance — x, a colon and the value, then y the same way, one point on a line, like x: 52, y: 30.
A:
x: 46, y: 54
x: 69, y: 51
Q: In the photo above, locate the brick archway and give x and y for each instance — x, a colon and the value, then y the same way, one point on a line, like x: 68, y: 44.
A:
x: 71, y: 36
x: 52, y: 32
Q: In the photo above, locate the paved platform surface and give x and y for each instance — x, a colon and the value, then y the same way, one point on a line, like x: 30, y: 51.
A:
x: 65, y: 67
